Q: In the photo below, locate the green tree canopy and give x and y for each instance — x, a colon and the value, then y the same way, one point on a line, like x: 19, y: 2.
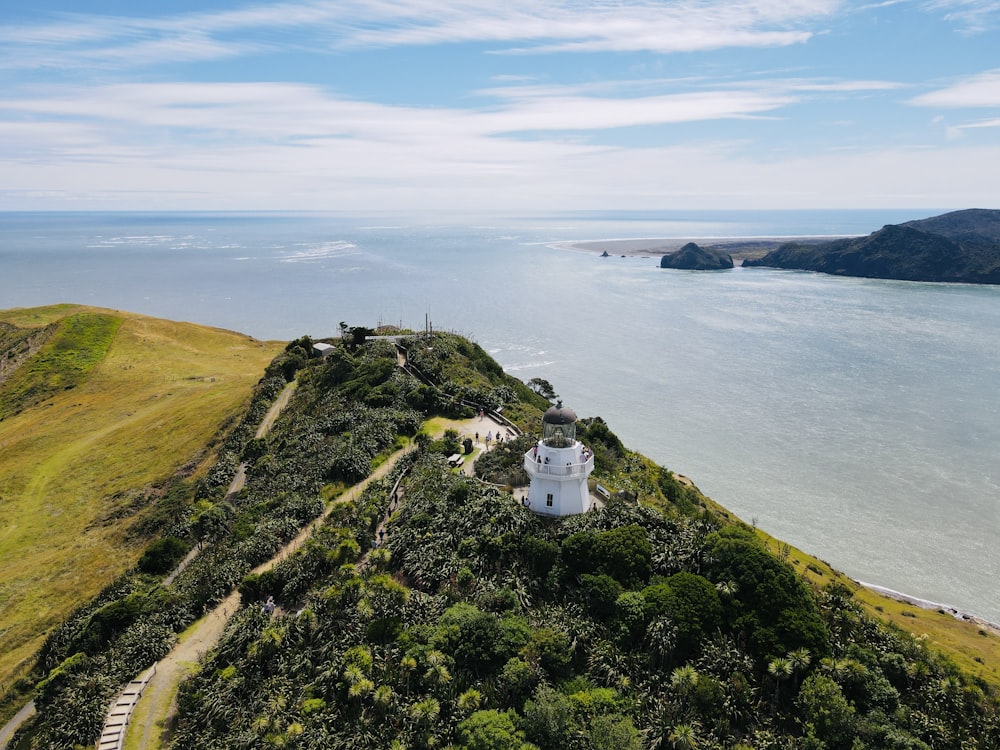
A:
x: 691, y: 603
x: 773, y: 607
x: 492, y: 730
x: 624, y: 553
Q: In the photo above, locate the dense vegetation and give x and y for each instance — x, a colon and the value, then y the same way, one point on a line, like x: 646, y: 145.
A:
x: 349, y: 411
x: 134, y: 621
x: 478, y: 624
x: 962, y: 246
x: 464, y: 376
x: 481, y: 625
x: 88, y: 473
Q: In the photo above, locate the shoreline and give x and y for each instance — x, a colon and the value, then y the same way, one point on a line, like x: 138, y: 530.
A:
x: 754, y: 247
x: 916, y: 601
x: 737, y: 247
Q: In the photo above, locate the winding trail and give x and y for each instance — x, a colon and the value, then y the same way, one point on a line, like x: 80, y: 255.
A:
x: 7, y: 732
x: 240, y: 478
x: 154, y: 713
x: 152, y: 718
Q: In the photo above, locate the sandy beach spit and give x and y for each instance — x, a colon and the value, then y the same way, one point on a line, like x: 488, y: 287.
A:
x: 655, y: 247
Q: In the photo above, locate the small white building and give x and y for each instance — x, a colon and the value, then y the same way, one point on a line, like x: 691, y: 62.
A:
x: 558, y: 466
x: 323, y: 349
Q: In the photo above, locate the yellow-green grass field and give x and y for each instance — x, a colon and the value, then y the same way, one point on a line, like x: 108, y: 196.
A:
x: 70, y: 464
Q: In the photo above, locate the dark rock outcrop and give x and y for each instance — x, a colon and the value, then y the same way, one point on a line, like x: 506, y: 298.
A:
x: 692, y: 257
x: 961, y: 246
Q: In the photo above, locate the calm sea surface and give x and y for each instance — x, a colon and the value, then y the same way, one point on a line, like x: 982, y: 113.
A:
x: 857, y: 419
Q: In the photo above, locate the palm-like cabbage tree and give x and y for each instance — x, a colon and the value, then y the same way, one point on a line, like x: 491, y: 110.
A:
x: 799, y: 659
x: 437, y: 673
x: 684, y: 737
x: 661, y: 641
x: 383, y: 696
x: 406, y: 666
x: 727, y: 589
x: 780, y: 668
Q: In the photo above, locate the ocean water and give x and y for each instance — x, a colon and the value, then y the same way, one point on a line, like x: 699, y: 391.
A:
x: 857, y: 419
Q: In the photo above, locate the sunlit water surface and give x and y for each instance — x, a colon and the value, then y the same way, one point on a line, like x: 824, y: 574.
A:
x: 857, y: 419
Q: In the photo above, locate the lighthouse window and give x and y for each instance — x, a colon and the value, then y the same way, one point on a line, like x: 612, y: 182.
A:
x: 548, y: 499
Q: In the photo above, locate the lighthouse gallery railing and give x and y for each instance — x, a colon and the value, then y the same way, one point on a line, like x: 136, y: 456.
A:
x: 533, y: 466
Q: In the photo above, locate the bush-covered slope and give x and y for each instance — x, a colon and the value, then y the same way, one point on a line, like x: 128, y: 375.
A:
x: 478, y: 624
x: 348, y: 412
x: 482, y: 625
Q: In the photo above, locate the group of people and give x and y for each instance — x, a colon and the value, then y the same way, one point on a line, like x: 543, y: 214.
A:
x: 585, y: 455
x: 489, y: 438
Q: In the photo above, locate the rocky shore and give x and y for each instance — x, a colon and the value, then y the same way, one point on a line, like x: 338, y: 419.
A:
x: 936, y: 606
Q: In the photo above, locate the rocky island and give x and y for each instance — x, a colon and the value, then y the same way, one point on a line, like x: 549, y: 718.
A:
x: 693, y: 257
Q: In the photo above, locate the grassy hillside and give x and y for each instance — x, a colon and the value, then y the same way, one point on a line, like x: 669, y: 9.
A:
x: 79, y: 343
x: 109, y: 406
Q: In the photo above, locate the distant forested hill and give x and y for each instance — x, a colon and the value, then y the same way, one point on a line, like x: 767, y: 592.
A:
x: 961, y: 246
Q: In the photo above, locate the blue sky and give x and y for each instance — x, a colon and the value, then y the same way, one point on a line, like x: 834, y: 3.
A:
x: 509, y: 105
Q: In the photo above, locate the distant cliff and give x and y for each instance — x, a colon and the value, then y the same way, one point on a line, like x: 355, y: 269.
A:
x: 692, y: 257
x: 961, y: 246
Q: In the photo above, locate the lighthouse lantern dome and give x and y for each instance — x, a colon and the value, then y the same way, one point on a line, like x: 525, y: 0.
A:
x: 559, y: 426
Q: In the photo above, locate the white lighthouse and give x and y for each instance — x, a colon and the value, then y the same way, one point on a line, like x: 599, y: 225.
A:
x: 559, y: 465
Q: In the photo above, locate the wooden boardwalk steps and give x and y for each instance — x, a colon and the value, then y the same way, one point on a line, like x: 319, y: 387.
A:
x: 115, y: 726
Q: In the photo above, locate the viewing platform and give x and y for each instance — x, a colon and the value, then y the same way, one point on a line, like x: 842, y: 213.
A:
x: 534, y: 467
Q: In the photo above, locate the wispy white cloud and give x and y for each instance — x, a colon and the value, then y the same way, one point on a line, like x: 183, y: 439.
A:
x: 293, y: 114
x: 957, y: 132
x: 517, y: 25
x: 295, y: 145
x: 981, y: 90
x: 567, y: 26
x: 970, y: 16
x: 591, y: 113
x: 981, y: 124
x: 845, y: 86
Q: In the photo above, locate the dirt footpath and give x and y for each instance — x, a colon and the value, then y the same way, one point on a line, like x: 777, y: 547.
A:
x: 151, y: 723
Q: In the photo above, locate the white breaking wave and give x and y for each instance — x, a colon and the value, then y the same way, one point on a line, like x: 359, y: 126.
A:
x: 335, y: 249
x: 529, y: 365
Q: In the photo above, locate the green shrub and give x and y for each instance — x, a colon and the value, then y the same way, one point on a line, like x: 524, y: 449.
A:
x: 162, y: 555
